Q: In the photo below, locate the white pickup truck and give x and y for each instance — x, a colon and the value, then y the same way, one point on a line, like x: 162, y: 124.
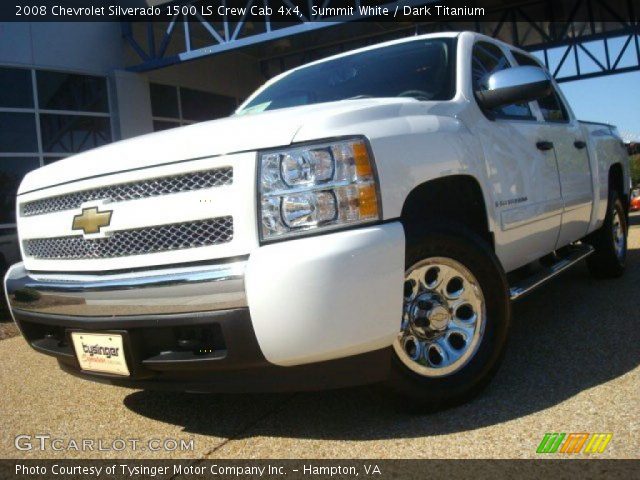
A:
x: 367, y: 217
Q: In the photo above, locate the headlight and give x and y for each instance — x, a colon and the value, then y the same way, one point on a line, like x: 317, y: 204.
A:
x: 323, y: 186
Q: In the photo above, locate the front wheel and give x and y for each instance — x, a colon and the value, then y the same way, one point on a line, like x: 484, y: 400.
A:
x: 455, y: 319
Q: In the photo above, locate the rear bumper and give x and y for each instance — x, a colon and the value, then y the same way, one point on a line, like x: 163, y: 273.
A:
x: 310, y: 313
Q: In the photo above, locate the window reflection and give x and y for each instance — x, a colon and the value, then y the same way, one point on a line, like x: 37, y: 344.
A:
x: 73, y: 133
x: 68, y: 91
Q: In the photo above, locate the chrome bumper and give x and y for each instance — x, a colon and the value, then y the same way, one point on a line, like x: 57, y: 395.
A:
x: 177, y: 290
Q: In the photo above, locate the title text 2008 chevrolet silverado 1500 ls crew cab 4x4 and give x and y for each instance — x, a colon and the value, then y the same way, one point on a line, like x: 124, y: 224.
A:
x: 362, y: 218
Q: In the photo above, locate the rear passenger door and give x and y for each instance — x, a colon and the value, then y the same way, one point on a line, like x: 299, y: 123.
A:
x: 569, y: 144
x: 522, y: 173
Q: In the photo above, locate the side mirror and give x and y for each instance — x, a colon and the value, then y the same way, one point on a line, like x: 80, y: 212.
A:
x: 514, y: 85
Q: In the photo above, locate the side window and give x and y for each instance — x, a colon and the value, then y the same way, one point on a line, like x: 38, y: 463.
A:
x: 485, y: 60
x: 553, y: 110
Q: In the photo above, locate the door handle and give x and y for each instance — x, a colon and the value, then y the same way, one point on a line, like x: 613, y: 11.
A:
x: 544, y: 145
x: 579, y: 144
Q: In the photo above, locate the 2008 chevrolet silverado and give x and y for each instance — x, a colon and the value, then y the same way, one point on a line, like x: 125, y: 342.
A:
x: 367, y: 217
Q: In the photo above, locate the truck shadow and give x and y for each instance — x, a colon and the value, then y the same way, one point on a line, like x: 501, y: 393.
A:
x: 567, y: 337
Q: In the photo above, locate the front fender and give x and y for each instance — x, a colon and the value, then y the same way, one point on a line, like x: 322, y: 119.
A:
x: 412, y: 142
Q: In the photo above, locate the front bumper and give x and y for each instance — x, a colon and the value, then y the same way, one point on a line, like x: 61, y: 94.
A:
x: 310, y: 313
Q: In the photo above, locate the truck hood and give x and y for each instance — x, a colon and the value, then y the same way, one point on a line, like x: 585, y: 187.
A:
x: 216, y: 137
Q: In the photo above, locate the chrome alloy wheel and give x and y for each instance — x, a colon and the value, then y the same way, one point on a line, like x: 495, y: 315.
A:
x: 443, y: 317
x: 618, y: 235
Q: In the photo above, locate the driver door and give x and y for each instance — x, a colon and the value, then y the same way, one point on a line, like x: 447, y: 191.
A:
x: 522, y: 171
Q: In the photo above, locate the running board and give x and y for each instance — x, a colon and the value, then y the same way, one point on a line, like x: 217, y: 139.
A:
x: 527, y: 285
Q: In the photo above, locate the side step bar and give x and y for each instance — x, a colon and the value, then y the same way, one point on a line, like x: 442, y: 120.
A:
x: 527, y: 285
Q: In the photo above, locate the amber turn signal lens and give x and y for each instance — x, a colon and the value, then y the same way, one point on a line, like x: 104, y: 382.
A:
x: 361, y: 158
x: 367, y: 201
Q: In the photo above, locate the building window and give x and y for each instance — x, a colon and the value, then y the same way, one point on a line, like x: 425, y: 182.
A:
x: 12, y: 170
x: 67, y: 134
x: 199, y: 106
x: 159, y: 125
x: 68, y: 91
x: 46, y: 116
x: 173, y: 106
x: 164, y: 101
x: 18, y: 132
x: 16, y: 89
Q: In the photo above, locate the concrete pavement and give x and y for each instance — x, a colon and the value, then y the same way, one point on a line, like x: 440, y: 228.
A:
x: 572, y: 366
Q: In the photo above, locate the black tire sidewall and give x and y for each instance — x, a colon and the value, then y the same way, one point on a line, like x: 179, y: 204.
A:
x: 473, y: 253
x: 616, y: 205
x: 605, y: 263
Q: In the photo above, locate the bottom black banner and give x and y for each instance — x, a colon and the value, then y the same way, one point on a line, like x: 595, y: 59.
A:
x: 317, y: 469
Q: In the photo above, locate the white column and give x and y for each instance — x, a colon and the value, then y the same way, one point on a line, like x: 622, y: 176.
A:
x: 130, y: 104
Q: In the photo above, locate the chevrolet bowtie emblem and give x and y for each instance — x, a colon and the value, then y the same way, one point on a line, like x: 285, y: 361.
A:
x: 91, y: 220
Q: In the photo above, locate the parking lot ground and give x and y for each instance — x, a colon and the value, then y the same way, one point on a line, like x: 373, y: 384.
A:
x: 572, y: 366
x: 7, y: 329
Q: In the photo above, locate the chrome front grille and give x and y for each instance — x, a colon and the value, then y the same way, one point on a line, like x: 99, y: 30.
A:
x: 153, y: 187
x: 160, y: 238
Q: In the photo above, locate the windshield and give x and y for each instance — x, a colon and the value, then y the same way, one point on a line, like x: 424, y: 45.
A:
x: 421, y: 69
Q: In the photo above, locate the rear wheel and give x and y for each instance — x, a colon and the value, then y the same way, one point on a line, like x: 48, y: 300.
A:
x: 610, y: 241
x: 454, y: 322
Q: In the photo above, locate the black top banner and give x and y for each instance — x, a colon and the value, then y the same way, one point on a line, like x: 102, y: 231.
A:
x: 299, y: 11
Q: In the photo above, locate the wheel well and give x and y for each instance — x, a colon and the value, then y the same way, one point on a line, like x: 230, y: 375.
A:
x: 616, y: 182
x: 455, y: 198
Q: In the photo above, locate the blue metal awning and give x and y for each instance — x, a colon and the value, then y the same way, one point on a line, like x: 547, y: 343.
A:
x: 577, y: 46
x: 228, y: 34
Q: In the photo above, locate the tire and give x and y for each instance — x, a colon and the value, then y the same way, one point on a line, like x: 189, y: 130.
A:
x: 610, y: 241
x: 426, y: 385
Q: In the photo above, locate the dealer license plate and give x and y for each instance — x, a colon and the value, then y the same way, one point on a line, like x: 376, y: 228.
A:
x: 100, y: 352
